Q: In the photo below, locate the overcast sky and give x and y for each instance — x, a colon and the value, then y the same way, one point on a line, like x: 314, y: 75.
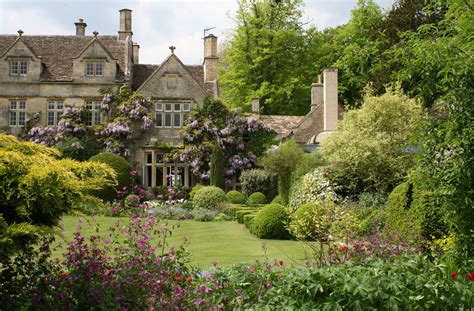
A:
x: 156, y: 24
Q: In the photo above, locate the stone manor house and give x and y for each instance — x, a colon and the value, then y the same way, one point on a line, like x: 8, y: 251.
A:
x: 45, y: 74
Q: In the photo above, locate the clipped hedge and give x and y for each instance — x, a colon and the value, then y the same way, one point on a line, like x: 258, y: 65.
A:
x: 231, y: 210
x: 121, y: 167
x: 256, y: 198
x: 270, y: 222
x: 248, y: 221
x: 235, y: 197
x: 208, y: 197
x: 239, y: 215
x: 259, y: 181
x: 278, y: 200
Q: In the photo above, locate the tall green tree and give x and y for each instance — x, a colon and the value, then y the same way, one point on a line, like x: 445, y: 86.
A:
x: 265, y: 57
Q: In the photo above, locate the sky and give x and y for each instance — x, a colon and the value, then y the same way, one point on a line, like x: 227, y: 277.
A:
x: 156, y: 24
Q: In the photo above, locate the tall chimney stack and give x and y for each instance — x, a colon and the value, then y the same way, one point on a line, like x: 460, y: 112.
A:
x: 316, y: 93
x: 80, y: 28
x: 125, y: 24
x: 210, y: 58
x: 136, y: 51
x: 330, y: 99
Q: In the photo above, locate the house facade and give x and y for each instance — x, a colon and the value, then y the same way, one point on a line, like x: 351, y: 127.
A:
x: 45, y: 74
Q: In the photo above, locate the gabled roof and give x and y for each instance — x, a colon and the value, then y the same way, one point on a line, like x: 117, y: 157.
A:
x: 94, y: 41
x: 19, y: 38
x: 142, y: 73
x: 282, y: 125
x: 57, y: 52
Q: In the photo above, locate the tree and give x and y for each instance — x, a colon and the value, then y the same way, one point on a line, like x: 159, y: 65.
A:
x: 283, y: 161
x: 265, y: 57
x: 217, y: 167
x: 368, y: 151
x: 36, y: 189
x: 240, y: 139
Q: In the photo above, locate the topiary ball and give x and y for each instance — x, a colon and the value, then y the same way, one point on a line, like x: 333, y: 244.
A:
x: 121, y: 167
x: 235, y: 197
x: 256, y: 198
x: 277, y: 200
x: 194, y: 190
x: 270, y: 222
x: 311, y: 222
x: 208, y: 197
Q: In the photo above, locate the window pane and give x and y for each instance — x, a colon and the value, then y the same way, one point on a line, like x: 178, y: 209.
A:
x: 159, y: 107
x: 21, y: 118
x: 22, y: 105
x: 98, y: 105
x: 158, y: 120
x: 186, y: 107
x: 14, y: 67
x: 177, y: 107
x: 89, y: 69
x: 159, y: 176
x: 50, y: 118
x: 167, y: 119
x: 147, y: 177
x: 168, y: 107
x: 50, y: 105
x: 179, y: 176
x: 58, y: 117
x: 88, y: 118
x: 23, y: 68
x: 185, y: 118
x: 12, y: 118
x: 98, y: 69
x: 13, y: 105
x: 169, y: 175
x: 177, y: 120
x: 89, y: 105
x: 149, y: 158
x: 159, y: 158
x: 60, y: 105
x: 97, y: 118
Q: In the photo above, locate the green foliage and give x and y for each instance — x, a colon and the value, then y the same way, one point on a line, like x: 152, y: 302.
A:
x: 311, y: 222
x: 79, y: 148
x: 121, y: 167
x: 248, y: 220
x: 283, y: 161
x: 209, y: 197
x: 257, y: 180
x: 367, y: 150
x: 240, y: 214
x: 309, y: 163
x: 256, y: 198
x: 235, y: 197
x: 217, y: 167
x: 36, y: 189
x: 268, y: 56
x: 277, y: 200
x: 270, y: 222
x: 194, y: 190
x: 413, y: 213
x: 313, y: 187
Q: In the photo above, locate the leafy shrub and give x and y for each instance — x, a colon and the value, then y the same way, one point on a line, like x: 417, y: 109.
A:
x: 204, y: 214
x: 121, y: 167
x: 217, y: 167
x: 248, y: 220
x: 270, y: 222
x: 194, y: 190
x: 256, y: 198
x: 414, y: 213
x: 368, y: 211
x: 222, y: 217
x: 239, y: 215
x: 209, y: 197
x: 259, y: 181
x: 311, y: 188
x: 132, y: 201
x: 235, y: 197
x: 186, y: 205
x: 277, y: 200
x: 166, y: 193
x: 92, y: 206
x: 311, y: 222
x: 231, y: 210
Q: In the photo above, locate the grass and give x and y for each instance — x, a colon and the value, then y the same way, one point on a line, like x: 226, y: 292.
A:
x: 225, y: 242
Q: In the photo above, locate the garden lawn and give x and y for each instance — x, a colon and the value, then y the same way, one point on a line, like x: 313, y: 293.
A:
x: 226, y: 242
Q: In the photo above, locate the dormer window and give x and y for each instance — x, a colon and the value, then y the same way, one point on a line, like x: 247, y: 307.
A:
x: 94, y: 69
x: 18, y: 67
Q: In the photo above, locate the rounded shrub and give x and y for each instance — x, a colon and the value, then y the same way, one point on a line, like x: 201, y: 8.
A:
x: 194, y: 190
x: 311, y: 222
x: 121, y: 167
x: 256, y: 198
x: 277, y: 200
x: 270, y: 222
x: 208, y: 197
x: 235, y: 197
x: 132, y: 201
x: 259, y: 181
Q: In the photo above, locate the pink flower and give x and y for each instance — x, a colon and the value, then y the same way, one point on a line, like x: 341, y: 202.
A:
x: 454, y: 275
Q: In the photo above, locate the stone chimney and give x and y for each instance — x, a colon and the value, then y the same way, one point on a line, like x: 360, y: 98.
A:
x: 316, y: 93
x: 136, y: 51
x: 125, y: 24
x: 210, y: 58
x: 256, y: 105
x: 80, y: 28
x: 330, y: 99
